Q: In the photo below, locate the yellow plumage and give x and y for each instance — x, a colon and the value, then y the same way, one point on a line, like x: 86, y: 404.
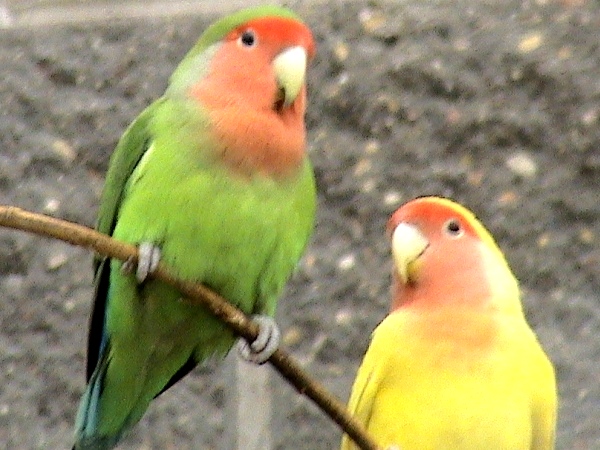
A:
x: 455, y: 365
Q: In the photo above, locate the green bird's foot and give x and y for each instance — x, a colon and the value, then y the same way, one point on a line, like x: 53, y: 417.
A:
x: 148, y: 258
x: 265, y: 344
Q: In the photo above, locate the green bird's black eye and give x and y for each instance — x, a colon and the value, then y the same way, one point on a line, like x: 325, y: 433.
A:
x: 248, y: 38
x: 452, y: 228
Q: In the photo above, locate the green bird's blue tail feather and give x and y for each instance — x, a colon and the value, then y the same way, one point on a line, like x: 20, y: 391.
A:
x: 87, y: 422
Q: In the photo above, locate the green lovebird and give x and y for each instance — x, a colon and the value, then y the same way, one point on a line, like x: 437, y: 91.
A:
x: 213, y: 180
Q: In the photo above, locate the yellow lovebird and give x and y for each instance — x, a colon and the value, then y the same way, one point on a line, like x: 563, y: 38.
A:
x: 454, y: 365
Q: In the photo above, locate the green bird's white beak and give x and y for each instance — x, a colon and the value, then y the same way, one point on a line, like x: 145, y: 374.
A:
x: 408, y: 244
x: 290, y: 71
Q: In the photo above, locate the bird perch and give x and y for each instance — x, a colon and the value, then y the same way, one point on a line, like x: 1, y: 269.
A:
x: 79, y: 235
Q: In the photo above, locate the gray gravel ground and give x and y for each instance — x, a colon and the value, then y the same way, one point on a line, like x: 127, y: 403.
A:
x: 496, y: 104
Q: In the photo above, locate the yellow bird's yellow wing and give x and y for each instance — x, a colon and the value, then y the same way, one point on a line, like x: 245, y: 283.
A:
x: 366, y: 385
x: 544, y: 405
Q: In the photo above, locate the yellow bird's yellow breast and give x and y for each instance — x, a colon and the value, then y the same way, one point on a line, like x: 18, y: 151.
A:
x: 456, y: 380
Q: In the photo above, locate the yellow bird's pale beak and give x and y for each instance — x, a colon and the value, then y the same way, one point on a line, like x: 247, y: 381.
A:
x: 408, y: 244
x: 290, y: 71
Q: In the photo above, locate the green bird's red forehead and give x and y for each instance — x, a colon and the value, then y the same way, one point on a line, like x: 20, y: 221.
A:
x: 434, y: 212
x: 284, y: 31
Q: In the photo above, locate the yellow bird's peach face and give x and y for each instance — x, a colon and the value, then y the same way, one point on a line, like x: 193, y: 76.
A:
x: 442, y: 255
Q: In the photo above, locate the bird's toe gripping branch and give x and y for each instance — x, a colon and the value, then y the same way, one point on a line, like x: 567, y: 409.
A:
x: 265, y: 344
x: 148, y: 259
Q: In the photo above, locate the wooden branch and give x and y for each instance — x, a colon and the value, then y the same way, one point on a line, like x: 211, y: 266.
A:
x: 79, y: 235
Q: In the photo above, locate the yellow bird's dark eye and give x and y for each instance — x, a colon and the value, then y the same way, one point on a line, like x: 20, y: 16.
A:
x: 453, y: 228
x: 248, y: 38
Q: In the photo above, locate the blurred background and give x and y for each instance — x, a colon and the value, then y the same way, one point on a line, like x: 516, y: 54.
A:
x: 495, y: 104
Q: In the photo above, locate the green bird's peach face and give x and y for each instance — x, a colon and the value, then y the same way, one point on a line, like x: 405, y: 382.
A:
x: 254, y: 93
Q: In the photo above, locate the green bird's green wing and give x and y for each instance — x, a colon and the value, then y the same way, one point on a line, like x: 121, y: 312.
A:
x: 128, y: 153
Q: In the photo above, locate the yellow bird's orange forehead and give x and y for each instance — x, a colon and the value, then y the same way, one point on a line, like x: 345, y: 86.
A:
x: 433, y: 213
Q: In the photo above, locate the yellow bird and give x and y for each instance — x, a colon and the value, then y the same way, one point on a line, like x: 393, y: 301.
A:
x: 454, y: 365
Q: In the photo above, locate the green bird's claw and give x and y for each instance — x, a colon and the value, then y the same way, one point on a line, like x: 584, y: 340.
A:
x: 148, y: 258
x: 265, y: 344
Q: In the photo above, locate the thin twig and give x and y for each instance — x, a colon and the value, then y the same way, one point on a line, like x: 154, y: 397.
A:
x: 13, y: 217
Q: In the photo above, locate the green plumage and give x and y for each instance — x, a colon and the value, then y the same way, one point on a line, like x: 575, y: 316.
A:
x: 239, y: 235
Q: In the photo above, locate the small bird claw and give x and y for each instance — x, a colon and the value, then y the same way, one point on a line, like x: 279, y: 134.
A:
x: 148, y: 258
x: 265, y: 344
